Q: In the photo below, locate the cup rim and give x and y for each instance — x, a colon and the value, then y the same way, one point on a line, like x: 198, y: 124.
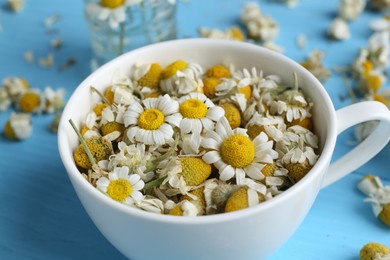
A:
x: 320, y: 165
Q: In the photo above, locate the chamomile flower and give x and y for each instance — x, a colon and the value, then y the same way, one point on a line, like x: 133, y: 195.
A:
x: 147, y: 75
x: 180, y: 78
x: 15, y: 86
x: 18, y: 126
x: 114, y: 12
x: 199, y: 114
x: 314, y: 64
x: 351, y: 9
x: 150, y: 122
x: 5, y: 101
x: 121, y: 186
x: 234, y: 154
x: 374, y: 251
x: 233, y: 33
x: 380, y: 203
x: 32, y: 101
x: 112, y: 120
x: 135, y: 157
x: 54, y: 99
x: 273, y: 126
x: 338, y: 29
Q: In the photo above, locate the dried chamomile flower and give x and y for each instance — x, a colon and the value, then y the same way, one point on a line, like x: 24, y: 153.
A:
x: 54, y: 124
x: 242, y: 198
x: 218, y: 71
x: 29, y: 57
x: 232, y: 114
x: 338, y: 29
x: 5, y: 100
x: 374, y: 251
x: 46, y: 62
x: 380, y: 5
x: 15, y: 5
x: 273, y: 126
x: 351, y: 9
x: 112, y: 120
x: 249, y: 156
x: 18, y: 126
x: 259, y: 27
x: 180, y: 78
x: 185, y: 208
x: 151, y: 121
x: 54, y: 99
x: 122, y: 186
x: 315, y: 66
x: 100, y: 150
x: 15, y: 87
x: 233, y: 33
x: 199, y: 114
x: 148, y: 75
x: 210, y: 85
x: 31, y: 101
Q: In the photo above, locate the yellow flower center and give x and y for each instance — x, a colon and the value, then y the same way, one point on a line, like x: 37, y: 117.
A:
x: 119, y: 189
x: 193, y: 108
x: 209, y: 86
x: 151, y: 119
x: 9, y: 132
x: 367, y: 67
x: 237, y: 151
x: 232, y: 114
x: 111, y: 3
x: 373, y: 82
x: 194, y: 170
x: 237, y: 33
x: 247, y: 91
x: 98, y: 109
x: 218, y: 71
x: 29, y: 101
x: 111, y: 127
x: 109, y: 95
x: 382, y: 99
x: 152, y: 78
x: 174, y: 67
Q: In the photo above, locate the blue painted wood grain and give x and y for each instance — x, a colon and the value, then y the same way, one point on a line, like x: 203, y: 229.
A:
x: 40, y: 215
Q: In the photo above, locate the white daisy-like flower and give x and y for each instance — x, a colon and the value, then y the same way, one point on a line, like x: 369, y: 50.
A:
x: 273, y: 126
x: 151, y: 121
x: 150, y: 204
x: 351, y: 9
x: 135, y: 157
x: 122, y: 186
x: 181, y: 78
x: 264, y: 28
x: 54, y: 99
x: 15, y: 87
x: 114, y: 15
x: 293, y: 104
x: 338, y: 29
x: 234, y: 154
x: 19, y: 126
x: 5, y: 101
x: 199, y: 113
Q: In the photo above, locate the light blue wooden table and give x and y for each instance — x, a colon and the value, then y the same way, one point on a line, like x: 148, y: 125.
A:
x: 40, y: 215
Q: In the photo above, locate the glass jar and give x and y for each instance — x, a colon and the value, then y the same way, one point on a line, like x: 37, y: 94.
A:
x: 118, y: 26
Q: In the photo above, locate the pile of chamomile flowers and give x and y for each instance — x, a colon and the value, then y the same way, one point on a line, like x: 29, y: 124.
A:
x: 189, y: 140
x: 16, y: 94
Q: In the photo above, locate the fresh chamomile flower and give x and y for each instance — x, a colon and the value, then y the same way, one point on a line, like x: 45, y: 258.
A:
x: 374, y: 251
x: 151, y: 121
x: 5, y: 101
x: 181, y: 77
x: 18, y: 126
x: 244, y: 197
x: 199, y: 114
x: 122, y: 186
x: 15, y: 86
x: 339, y: 30
x: 111, y: 11
x: 351, y: 9
x: 54, y: 99
x: 32, y: 101
x: 234, y: 154
x: 135, y: 157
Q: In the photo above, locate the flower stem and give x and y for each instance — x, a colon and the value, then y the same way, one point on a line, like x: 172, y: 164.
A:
x: 82, y: 141
x: 100, y: 95
x: 296, y: 85
x: 154, y: 183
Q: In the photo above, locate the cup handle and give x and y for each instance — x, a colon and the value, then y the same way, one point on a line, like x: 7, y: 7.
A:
x: 367, y: 149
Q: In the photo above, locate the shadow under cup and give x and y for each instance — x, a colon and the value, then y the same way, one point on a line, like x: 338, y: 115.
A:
x: 253, y: 233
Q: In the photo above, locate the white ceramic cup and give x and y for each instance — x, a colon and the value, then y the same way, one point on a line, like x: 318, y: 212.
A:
x: 253, y: 233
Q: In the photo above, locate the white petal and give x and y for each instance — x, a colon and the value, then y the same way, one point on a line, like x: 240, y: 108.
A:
x: 215, y: 113
x: 211, y: 157
x: 158, y: 137
x: 185, y: 126
x: 208, y: 125
x: 139, y: 185
x: 210, y: 143
x: 226, y: 173
x: 137, y: 196
x: 174, y: 119
x: 254, y: 172
x: 196, y: 126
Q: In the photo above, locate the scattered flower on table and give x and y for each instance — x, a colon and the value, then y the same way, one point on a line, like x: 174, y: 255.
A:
x: 46, y: 62
x: 374, y: 251
x: 378, y: 196
x: 29, y: 56
x: 314, y: 64
x: 204, y: 140
x: 233, y: 33
x: 338, y: 29
x: 18, y: 126
x: 351, y: 9
x: 15, y: 5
